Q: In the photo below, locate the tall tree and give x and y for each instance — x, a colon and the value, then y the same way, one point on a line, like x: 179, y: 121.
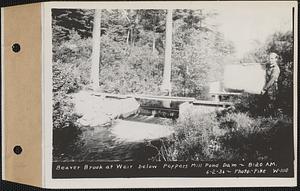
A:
x: 166, y: 86
x: 96, y: 50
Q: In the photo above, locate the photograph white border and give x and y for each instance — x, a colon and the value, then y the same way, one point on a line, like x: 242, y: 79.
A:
x: 49, y: 182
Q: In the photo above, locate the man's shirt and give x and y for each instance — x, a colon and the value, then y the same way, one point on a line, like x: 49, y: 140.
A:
x: 272, y: 74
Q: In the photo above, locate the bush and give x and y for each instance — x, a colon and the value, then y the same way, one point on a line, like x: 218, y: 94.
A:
x: 257, y: 138
x: 237, y: 122
x: 230, y: 136
x: 260, y: 106
x: 241, y: 137
x: 71, y: 64
x: 250, y: 103
x: 64, y: 83
x: 63, y: 111
x: 194, y: 139
x: 71, y: 70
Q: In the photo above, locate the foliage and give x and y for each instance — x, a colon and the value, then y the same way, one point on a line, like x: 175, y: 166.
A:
x: 252, y: 104
x: 198, y: 53
x: 62, y: 105
x: 132, y: 49
x: 64, y: 21
x: 129, y: 70
x: 70, y: 73
x: 255, y: 138
x: 230, y: 136
x: 194, y: 139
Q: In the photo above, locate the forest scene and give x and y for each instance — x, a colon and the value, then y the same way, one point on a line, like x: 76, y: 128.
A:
x: 129, y: 47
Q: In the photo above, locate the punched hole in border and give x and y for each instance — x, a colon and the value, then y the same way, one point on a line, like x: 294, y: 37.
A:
x: 18, y: 150
x: 16, y: 47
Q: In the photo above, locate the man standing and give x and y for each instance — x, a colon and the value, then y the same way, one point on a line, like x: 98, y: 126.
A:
x: 270, y: 89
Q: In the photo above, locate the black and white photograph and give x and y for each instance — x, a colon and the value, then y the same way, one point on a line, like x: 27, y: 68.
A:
x: 206, y: 91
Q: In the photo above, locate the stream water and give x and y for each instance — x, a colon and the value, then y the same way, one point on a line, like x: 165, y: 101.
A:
x: 126, y: 139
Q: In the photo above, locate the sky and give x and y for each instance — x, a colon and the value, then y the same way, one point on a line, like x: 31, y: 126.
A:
x: 243, y: 24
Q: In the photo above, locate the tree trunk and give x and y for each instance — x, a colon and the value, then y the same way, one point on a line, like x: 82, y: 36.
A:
x: 153, y: 43
x: 96, y: 50
x: 127, y: 38
x: 166, y: 86
x: 131, y: 37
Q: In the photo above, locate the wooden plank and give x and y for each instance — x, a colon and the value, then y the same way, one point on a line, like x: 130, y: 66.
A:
x: 144, y: 96
x: 163, y: 97
x: 212, y: 103
x: 226, y: 93
x: 160, y: 108
x: 166, y: 98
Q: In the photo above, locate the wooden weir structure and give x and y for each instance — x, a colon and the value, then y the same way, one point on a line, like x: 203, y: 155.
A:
x: 166, y: 99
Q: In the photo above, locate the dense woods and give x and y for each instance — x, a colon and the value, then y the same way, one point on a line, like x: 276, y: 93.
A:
x: 132, y: 49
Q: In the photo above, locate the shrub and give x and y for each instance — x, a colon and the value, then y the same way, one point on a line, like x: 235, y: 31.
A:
x: 71, y: 70
x: 71, y: 64
x: 250, y: 103
x: 64, y: 83
x: 230, y: 136
x: 257, y: 138
x: 239, y: 139
x: 194, y: 139
x: 260, y: 106
x: 63, y: 111
x: 237, y: 122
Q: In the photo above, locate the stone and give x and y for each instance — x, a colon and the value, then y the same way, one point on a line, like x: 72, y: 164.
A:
x: 188, y: 110
x: 99, y: 111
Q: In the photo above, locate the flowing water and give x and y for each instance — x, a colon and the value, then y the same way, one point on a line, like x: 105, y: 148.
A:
x: 135, y: 138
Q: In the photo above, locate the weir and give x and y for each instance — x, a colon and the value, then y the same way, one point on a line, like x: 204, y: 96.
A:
x: 120, y: 122
x: 167, y: 106
x: 125, y: 127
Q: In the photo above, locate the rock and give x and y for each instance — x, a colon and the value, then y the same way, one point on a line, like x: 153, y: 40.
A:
x: 129, y: 107
x: 97, y: 119
x: 187, y: 110
x: 99, y: 111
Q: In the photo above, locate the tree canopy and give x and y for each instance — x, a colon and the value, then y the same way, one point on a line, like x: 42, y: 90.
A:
x: 133, y: 45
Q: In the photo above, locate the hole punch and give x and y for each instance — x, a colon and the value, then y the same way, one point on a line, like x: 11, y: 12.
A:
x: 16, y: 47
x: 18, y: 149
